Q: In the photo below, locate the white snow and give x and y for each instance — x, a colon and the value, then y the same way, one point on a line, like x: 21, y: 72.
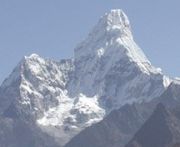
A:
x: 56, y: 115
x: 108, y: 71
x: 96, y: 58
x: 83, y: 106
x: 100, y: 52
x: 166, y: 81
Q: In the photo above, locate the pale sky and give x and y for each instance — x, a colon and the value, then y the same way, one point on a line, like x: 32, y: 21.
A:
x: 52, y: 29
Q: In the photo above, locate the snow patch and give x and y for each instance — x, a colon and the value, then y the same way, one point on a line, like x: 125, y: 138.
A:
x: 100, y: 52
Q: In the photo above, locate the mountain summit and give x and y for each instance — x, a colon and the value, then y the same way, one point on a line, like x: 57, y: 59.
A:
x: 109, y: 51
x: 111, y: 33
x: 108, y: 71
x: 115, y: 20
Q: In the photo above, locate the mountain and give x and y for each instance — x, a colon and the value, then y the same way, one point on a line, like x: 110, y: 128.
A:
x: 120, y: 125
x: 19, y: 133
x: 171, y: 97
x: 162, y: 129
x: 115, y: 130
x: 111, y: 65
x: 35, y: 85
x: 108, y: 72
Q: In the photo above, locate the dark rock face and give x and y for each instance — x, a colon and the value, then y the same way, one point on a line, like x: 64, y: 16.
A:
x: 176, y: 145
x: 171, y: 97
x: 120, y: 126
x: 162, y: 129
x: 114, y: 131
x: 18, y: 133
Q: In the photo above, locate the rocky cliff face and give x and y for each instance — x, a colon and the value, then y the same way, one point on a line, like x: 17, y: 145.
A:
x: 115, y: 130
x: 162, y: 129
x: 119, y: 127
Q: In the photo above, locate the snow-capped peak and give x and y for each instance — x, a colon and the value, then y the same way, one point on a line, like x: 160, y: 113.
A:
x: 115, y: 22
x: 26, y: 61
x: 116, y: 19
x: 33, y: 56
x: 110, y: 50
x: 111, y: 36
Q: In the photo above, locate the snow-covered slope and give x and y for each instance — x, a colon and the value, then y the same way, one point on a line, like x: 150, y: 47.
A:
x: 111, y: 65
x: 108, y: 71
x: 36, y: 85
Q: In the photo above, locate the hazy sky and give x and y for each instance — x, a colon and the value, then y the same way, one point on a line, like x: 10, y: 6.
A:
x: 52, y: 28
